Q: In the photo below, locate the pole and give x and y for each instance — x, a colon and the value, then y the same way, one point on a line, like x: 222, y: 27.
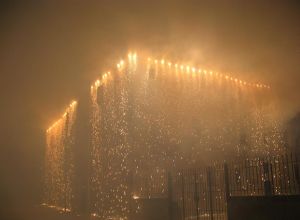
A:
x: 170, y: 196
x: 227, y: 191
x: 196, y: 196
x: 210, y: 192
x: 182, y: 194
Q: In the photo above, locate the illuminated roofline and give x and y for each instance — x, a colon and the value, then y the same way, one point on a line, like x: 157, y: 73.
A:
x: 132, y: 57
x: 72, y: 105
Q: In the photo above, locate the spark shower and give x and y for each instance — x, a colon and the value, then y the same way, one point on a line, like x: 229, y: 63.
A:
x: 148, y: 117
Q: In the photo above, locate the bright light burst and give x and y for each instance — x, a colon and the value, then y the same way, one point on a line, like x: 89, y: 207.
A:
x: 146, y: 119
x: 59, y: 161
x: 187, y: 69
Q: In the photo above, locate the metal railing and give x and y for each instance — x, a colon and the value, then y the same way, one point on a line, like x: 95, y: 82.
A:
x: 277, y: 175
x: 203, y: 193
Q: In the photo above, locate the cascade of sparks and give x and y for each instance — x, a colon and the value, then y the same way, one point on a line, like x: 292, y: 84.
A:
x: 152, y: 116
x: 59, y: 161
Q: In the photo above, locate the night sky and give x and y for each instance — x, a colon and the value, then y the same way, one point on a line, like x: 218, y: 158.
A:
x: 52, y: 51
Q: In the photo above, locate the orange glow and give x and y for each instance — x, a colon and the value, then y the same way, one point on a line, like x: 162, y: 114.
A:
x: 129, y: 56
x: 216, y: 74
x: 71, y: 106
x: 134, y: 56
x: 187, y: 68
x: 135, y: 197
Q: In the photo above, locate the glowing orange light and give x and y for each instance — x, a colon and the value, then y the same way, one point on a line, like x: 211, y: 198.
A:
x: 73, y: 103
x: 183, y: 68
x: 134, y: 56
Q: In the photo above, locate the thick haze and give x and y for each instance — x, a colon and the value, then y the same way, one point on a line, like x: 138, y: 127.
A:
x: 50, y: 53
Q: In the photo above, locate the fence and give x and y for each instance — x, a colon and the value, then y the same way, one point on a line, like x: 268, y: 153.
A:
x: 204, y: 193
x: 277, y: 175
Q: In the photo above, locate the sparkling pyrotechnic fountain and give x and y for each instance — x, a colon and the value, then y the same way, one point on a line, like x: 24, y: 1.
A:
x: 150, y: 116
x: 59, y: 161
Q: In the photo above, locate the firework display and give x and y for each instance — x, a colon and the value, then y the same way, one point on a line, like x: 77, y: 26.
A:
x: 59, y: 161
x: 148, y: 117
